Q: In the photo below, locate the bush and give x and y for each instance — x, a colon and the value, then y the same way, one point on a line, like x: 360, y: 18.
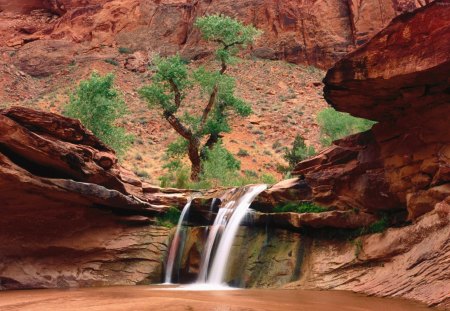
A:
x: 305, y: 207
x: 336, y: 125
x: 169, y: 219
x: 112, y: 62
x: 220, y: 169
x: 242, y: 153
x: 378, y: 226
x: 177, y: 175
x: 298, y: 152
x: 98, y: 105
x: 124, y: 50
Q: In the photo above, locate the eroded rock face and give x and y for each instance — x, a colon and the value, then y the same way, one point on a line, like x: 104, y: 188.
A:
x: 260, y: 257
x: 400, y: 79
x: 403, y: 163
x: 410, y: 262
x: 71, y: 216
x: 310, y: 32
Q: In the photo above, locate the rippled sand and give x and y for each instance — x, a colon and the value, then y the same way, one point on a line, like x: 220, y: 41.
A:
x: 156, y: 298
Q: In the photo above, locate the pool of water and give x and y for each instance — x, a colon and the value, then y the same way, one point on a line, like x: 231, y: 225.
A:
x: 149, y: 298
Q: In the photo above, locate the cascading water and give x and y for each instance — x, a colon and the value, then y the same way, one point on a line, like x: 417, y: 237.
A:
x: 220, y: 239
x: 175, y: 245
x: 232, y: 216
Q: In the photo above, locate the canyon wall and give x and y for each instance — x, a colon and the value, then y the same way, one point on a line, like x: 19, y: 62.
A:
x: 314, y: 32
x: 400, y: 168
x: 71, y: 216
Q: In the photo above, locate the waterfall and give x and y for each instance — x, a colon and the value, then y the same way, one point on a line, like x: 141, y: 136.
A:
x: 175, y: 245
x: 216, y: 253
x: 234, y: 212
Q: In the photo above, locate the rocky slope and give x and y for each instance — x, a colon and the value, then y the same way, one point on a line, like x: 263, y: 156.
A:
x: 312, y: 32
x: 48, y: 46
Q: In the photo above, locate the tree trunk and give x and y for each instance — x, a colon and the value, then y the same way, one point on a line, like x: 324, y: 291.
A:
x: 194, y: 157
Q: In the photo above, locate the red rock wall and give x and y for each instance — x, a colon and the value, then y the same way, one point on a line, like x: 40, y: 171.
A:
x: 309, y: 32
x: 71, y: 216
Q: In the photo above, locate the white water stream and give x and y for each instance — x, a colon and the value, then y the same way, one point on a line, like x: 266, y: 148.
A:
x: 176, y: 244
x: 220, y: 239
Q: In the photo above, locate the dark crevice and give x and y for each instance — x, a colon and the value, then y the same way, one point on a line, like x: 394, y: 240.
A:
x: 32, y: 167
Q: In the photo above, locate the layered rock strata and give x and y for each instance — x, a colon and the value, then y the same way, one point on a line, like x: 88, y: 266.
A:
x: 311, y: 32
x: 71, y: 215
x: 400, y: 79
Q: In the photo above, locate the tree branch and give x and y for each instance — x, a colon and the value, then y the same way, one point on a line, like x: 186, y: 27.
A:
x: 208, y: 108
x: 177, y: 125
x: 177, y: 93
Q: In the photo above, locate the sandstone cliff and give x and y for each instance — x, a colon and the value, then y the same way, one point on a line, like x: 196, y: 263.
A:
x: 401, y: 166
x: 71, y: 216
x: 308, y: 32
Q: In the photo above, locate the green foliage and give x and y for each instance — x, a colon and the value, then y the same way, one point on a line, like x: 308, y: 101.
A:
x: 112, y: 62
x: 169, y: 219
x: 173, y: 80
x: 178, y: 148
x: 336, y: 125
x: 124, y: 50
x: 170, y: 72
x: 305, y: 207
x: 298, y: 152
x: 177, y: 175
x: 242, y: 153
x: 99, y: 106
x: 229, y: 33
x: 220, y: 169
x: 378, y: 226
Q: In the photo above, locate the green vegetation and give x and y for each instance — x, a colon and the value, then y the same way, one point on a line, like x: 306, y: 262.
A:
x: 378, y: 226
x: 112, y: 62
x: 99, y: 106
x: 124, y: 50
x: 305, y: 207
x: 169, y: 219
x: 220, y: 169
x: 201, y: 130
x: 298, y: 152
x: 336, y: 125
x: 358, y: 247
x: 242, y: 153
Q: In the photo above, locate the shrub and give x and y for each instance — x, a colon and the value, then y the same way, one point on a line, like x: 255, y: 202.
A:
x: 142, y: 173
x: 98, y: 105
x: 377, y: 227
x: 169, y: 219
x: 298, y: 152
x: 112, y: 62
x: 336, y: 125
x: 177, y: 175
x: 242, y: 153
x: 305, y: 207
x: 220, y: 169
x: 124, y: 50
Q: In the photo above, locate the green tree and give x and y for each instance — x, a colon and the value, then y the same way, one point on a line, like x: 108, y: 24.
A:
x: 99, y: 106
x: 298, y: 152
x: 201, y: 129
x: 336, y: 125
